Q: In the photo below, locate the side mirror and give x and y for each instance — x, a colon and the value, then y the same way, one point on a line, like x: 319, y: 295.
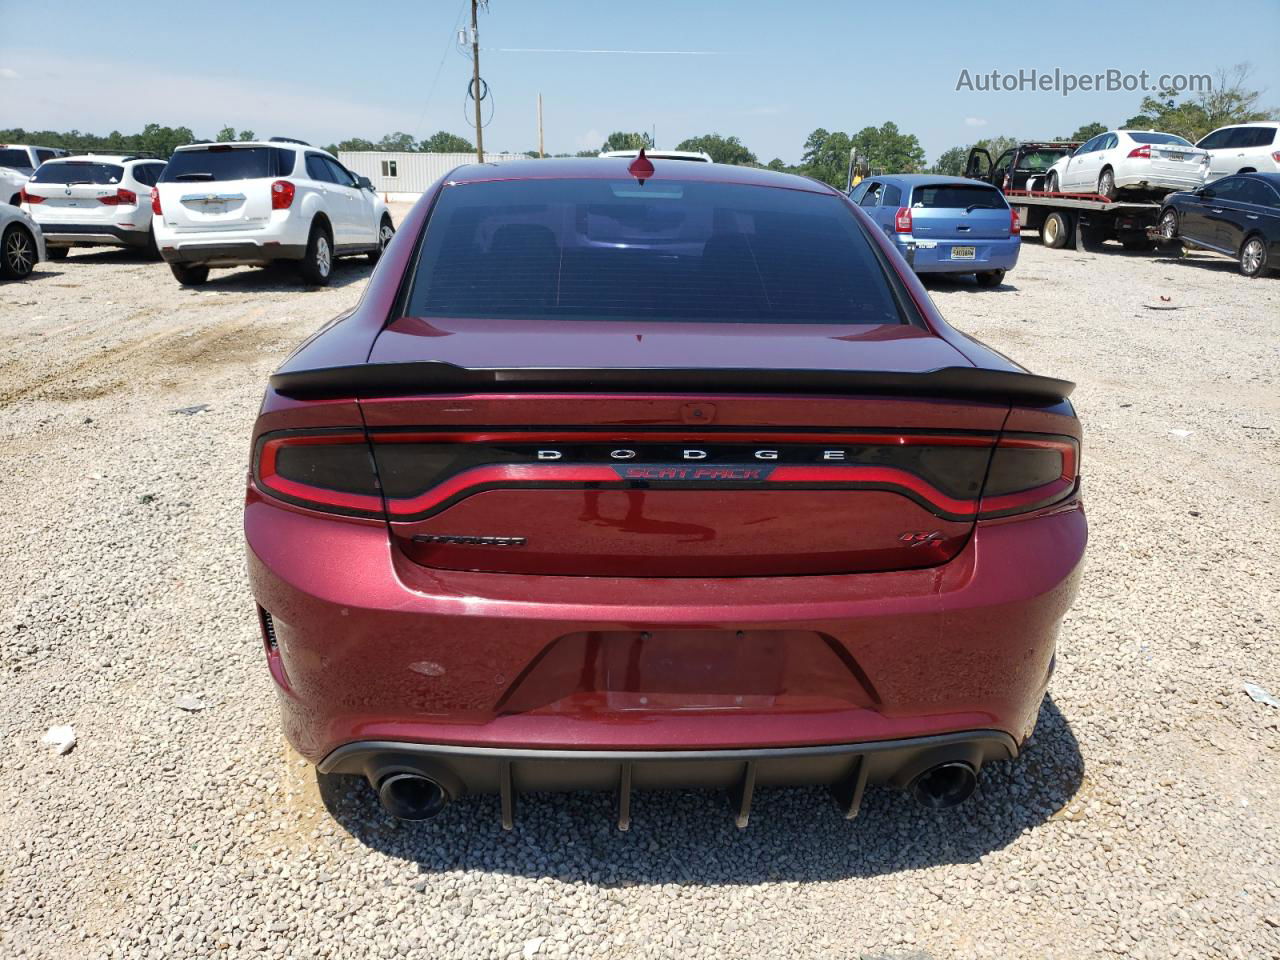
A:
x: 365, y: 183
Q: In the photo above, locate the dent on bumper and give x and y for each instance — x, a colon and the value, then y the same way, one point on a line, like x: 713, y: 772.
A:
x: 371, y: 647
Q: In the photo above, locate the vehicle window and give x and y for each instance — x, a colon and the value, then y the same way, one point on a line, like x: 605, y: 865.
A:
x: 1263, y: 136
x: 892, y: 196
x: 1227, y: 188
x: 13, y: 157
x: 147, y: 173
x: 1256, y: 192
x: 1141, y: 137
x: 872, y: 197
x: 317, y: 169
x: 220, y: 162
x: 78, y: 171
x: 43, y: 155
x: 1036, y: 160
x: 340, y: 174
x: 957, y: 196
x: 1109, y: 142
x: 1088, y: 146
x: 1215, y: 140
x: 1002, y: 164
x: 609, y: 250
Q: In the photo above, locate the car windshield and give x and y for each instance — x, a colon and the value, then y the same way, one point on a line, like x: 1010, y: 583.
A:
x: 957, y: 196
x: 658, y: 251
x: 78, y: 171
x: 1041, y: 159
x: 228, y: 163
x: 13, y: 157
x: 1158, y: 138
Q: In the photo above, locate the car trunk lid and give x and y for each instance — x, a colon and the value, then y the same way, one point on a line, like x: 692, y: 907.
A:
x: 222, y: 187
x: 958, y: 212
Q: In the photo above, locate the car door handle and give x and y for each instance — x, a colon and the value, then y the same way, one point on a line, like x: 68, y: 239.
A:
x: 1251, y: 216
x: 1217, y: 209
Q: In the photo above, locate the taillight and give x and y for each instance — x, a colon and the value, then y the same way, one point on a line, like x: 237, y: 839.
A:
x: 24, y: 197
x: 155, y: 202
x: 1028, y: 472
x: 121, y: 197
x: 281, y: 195
x: 1015, y: 225
x: 1140, y: 153
x: 332, y: 472
x: 1274, y: 156
x: 902, y: 220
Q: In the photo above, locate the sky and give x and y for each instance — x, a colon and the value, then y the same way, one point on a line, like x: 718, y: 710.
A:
x: 767, y: 71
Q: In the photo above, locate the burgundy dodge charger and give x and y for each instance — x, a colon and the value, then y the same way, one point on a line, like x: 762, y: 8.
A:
x: 638, y: 474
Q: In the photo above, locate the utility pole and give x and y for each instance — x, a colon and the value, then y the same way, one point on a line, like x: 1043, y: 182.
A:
x: 541, y: 153
x: 475, y: 79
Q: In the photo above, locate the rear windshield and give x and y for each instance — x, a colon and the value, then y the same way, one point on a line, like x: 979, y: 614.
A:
x: 10, y: 157
x: 75, y: 171
x: 1040, y: 159
x: 1158, y: 138
x: 957, y: 196
x: 667, y: 250
x: 228, y: 163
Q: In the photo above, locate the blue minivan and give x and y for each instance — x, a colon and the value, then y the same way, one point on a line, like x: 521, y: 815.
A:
x: 944, y: 224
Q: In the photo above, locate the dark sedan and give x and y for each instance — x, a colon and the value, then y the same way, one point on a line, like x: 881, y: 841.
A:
x: 1238, y: 216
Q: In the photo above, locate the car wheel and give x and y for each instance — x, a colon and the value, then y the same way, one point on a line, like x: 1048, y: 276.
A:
x: 317, y: 266
x: 152, y: 250
x: 1253, y: 257
x: 386, y: 230
x: 1056, y: 232
x: 188, y: 275
x: 17, y: 253
x: 990, y: 278
x: 1107, y: 185
x: 1051, y: 183
x: 1169, y: 224
x: 57, y: 253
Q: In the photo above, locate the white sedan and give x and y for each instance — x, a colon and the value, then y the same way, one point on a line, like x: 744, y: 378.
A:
x: 1129, y: 159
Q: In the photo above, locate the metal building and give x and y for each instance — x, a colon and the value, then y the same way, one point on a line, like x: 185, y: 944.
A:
x: 411, y: 173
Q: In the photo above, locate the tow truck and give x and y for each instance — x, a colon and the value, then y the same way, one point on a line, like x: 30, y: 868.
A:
x: 1087, y: 219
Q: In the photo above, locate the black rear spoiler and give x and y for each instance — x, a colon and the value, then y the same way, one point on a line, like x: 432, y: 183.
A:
x: 434, y: 376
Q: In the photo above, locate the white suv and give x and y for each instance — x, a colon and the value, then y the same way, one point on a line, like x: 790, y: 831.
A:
x: 17, y: 162
x: 1242, y: 148
x: 93, y: 201
x: 231, y: 204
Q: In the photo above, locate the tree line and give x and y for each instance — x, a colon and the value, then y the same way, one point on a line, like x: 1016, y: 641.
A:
x: 825, y: 153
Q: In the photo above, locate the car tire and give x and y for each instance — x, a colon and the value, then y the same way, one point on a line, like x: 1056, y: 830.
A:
x: 316, y: 266
x: 1051, y: 183
x: 17, y: 253
x: 990, y: 278
x: 1253, y: 256
x: 386, y: 230
x: 188, y: 275
x: 1169, y: 224
x: 152, y: 250
x: 58, y: 253
x: 1107, y: 184
x: 1056, y: 232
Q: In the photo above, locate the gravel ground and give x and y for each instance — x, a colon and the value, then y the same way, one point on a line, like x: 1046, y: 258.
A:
x: 1141, y: 821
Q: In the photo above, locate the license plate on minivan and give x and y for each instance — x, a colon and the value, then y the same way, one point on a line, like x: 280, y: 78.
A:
x: 963, y: 253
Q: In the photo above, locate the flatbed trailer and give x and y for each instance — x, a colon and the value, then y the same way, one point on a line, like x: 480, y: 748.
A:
x: 1085, y: 219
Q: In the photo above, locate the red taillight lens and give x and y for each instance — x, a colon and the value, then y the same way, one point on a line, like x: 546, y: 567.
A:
x: 121, y: 197
x: 332, y: 472
x: 1140, y: 153
x: 1015, y: 225
x: 1274, y: 156
x: 155, y: 202
x: 281, y: 195
x: 1029, y: 471
x: 24, y: 197
x: 902, y: 220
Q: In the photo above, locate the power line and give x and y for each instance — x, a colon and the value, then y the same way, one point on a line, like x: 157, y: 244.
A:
x: 452, y: 32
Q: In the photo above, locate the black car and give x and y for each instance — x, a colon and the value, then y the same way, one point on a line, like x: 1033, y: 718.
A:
x: 1238, y: 216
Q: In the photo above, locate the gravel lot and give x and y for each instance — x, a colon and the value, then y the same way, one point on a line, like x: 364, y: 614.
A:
x: 1142, y: 820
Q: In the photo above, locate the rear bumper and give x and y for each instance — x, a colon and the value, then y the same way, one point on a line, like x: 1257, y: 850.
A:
x: 845, y: 768
x: 366, y: 646
x: 935, y: 256
x: 230, y: 253
x: 93, y: 235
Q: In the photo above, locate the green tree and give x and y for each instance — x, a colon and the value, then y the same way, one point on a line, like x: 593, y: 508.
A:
x: 721, y: 149
x: 444, y: 142
x: 1228, y: 100
x: 626, y: 141
x: 950, y: 163
x: 777, y: 164
x: 226, y: 135
x: 1088, y: 131
x: 246, y: 135
x: 997, y: 145
x: 826, y: 156
x: 398, y: 142
x: 889, y: 150
x: 357, y: 144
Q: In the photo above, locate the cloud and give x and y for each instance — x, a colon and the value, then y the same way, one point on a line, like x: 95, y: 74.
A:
x: 974, y: 122
x: 8, y: 73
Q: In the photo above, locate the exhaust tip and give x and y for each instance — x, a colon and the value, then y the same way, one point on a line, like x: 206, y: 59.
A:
x: 944, y: 786
x: 411, y: 796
